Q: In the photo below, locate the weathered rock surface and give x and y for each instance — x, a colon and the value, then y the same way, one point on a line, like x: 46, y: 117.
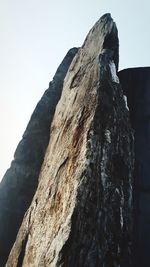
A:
x: 81, y: 212
x: 136, y: 85
x: 20, y: 181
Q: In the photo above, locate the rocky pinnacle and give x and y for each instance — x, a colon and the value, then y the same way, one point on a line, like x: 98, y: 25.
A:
x: 81, y: 213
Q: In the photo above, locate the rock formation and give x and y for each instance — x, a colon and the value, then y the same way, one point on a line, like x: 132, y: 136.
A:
x: 136, y: 85
x: 20, y: 181
x: 81, y: 213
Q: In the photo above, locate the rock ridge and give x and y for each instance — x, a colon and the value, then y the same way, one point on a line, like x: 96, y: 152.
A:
x: 20, y: 182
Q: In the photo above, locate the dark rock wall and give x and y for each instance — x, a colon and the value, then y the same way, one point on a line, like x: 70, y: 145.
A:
x: 20, y: 181
x: 136, y: 85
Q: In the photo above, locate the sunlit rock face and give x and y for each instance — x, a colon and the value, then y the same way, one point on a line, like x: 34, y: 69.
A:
x: 20, y: 181
x: 81, y: 213
x: 136, y: 85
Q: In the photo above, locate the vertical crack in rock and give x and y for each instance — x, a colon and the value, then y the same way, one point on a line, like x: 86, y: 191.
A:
x: 22, y: 252
x: 81, y: 213
x: 20, y: 181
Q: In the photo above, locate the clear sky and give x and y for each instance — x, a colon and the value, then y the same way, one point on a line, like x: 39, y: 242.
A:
x: 35, y: 36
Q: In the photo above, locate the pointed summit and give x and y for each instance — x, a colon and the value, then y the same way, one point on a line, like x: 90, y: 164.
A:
x: 103, y: 36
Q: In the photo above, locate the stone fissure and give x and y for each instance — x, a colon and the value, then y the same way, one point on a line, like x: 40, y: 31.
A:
x: 22, y: 252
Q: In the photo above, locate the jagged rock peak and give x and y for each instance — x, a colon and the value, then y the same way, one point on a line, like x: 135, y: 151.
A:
x: 103, y: 37
x: 81, y: 212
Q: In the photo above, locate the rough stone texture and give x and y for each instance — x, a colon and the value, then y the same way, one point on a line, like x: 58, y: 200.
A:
x: 136, y: 85
x: 81, y: 212
x: 20, y: 181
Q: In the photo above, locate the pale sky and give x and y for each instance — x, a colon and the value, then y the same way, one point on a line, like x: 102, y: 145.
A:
x: 35, y: 36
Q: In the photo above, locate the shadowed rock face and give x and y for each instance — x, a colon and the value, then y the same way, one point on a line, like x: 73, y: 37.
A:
x: 20, y: 181
x: 81, y: 212
x: 136, y: 85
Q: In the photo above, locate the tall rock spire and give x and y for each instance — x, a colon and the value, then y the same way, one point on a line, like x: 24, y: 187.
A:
x: 81, y: 212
